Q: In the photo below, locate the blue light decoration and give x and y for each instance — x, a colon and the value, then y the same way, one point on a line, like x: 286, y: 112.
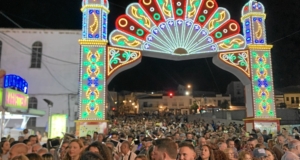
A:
x: 16, y: 82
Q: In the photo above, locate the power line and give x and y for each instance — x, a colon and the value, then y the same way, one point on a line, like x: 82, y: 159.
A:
x: 55, y: 78
x: 43, y: 54
x: 27, y: 20
x: 285, y: 37
x: 117, y: 5
x: 10, y: 19
x: 212, y: 75
x: 43, y: 65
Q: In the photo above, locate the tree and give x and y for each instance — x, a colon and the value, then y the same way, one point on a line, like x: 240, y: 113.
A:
x: 194, y: 107
x: 224, y: 105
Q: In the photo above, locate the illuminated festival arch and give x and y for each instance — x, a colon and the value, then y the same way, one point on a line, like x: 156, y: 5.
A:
x: 175, y: 30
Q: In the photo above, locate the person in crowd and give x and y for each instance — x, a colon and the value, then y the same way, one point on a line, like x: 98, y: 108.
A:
x: 220, y: 155
x: 164, y: 149
x: 44, y: 138
x: 39, y: 136
x: 34, y: 156
x: 95, y: 137
x: 5, y: 146
x: 91, y: 156
x: 278, y: 147
x: 115, y: 140
x: 150, y: 153
x: 17, y: 150
x: 63, y: 149
x: 244, y: 155
x: 100, y: 137
x: 21, y: 157
x: 101, y: 149
x: 186, y: 151
x: 48, y: 156
x: 35, y: 148
x: 294, y: 151
x: 127, y: 154
x: 270, y: 155
x: 206, y: 153
x: 140, y: 157
x: 33, y: 139
x: 147, y: 141
x: 74, y: 150
x: 222, y: 146
x: 26, y: 133
x: 20, y: 138
x: 42, y: 151
x: 229, y: 153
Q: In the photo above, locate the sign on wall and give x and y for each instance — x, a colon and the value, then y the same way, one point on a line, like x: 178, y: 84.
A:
x: 57, y: 125
x: 15, y: 99
x: 15, y: 82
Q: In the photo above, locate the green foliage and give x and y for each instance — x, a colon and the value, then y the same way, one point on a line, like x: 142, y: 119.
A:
x: 225, y: 105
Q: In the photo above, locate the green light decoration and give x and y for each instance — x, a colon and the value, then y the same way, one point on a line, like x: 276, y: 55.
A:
x: 262, y: 83
x: 122, y: 43
x: 202, y: 18
x: 179, y: 12
x: 139, y: 32
x: 85, y: 115
x: 99, y: 115
x: 218, y: 35
x: 156, y: 16
x: 91, y: 86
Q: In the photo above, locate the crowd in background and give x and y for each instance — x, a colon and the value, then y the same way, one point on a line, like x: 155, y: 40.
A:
x: 166, y: 138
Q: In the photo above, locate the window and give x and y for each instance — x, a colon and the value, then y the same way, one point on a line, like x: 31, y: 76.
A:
x: 32, y: 104
x: 297, y: 100
x: 287, y: 99
x: 36, y: 56
x: 293, y: 100
x: 145, y: 104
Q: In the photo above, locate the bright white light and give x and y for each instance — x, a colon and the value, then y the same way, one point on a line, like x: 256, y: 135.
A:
x: 187, y: 93
x: 152, y: 92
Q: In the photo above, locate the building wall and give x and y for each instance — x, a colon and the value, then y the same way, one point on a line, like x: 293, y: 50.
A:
x: 292, y: 100
x: 175, y: 103
x: 279, y: 100
x: 55, y: 80
x: 236, y: 90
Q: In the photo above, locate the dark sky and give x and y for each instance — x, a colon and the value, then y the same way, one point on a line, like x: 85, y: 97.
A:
x: 283, y: 31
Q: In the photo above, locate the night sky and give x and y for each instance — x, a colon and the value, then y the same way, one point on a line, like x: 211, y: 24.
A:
x: 283, y: 31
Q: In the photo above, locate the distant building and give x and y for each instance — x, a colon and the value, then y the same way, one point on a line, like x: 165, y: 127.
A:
x: 279, y: 99
x: 291, y: 96
x: 180, y: 103
x: 236, y: 90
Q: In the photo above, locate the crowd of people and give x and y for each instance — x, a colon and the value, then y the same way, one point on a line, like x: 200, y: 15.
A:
x: 159, y: 139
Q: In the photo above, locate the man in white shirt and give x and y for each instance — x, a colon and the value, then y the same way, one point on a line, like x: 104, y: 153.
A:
x: 126, y: 153
x: 294, y: 151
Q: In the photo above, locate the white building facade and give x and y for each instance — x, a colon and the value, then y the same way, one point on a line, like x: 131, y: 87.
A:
x: 49, y: 61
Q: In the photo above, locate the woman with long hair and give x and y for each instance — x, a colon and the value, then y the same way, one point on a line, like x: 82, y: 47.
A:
x: 74, y: 150
x: 270, y: 155
x: 5, y: 146
x: 34, y: 156
x: 206, y: 153
x: 101, y: 149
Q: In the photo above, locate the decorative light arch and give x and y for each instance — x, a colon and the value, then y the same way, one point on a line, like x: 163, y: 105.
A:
x: 176, y: 30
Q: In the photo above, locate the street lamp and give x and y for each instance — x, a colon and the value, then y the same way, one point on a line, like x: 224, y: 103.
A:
x: 50, y: 105
x: 187, y: 93
x: 189, y: 86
